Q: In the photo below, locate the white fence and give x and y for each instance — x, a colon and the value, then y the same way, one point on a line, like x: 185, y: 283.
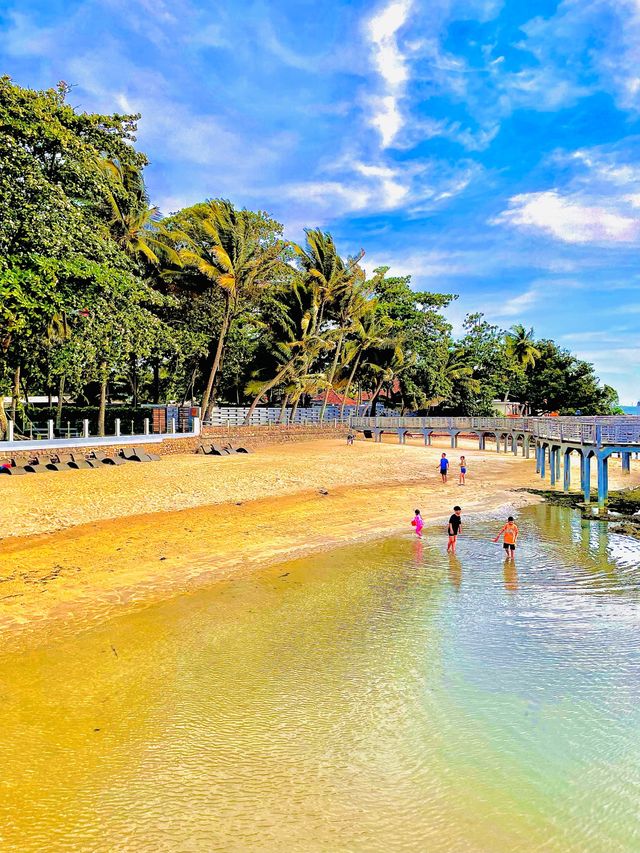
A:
x: 50, y: 441
x: 262, y: 416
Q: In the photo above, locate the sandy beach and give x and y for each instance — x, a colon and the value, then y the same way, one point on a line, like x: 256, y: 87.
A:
x: 78, y: 546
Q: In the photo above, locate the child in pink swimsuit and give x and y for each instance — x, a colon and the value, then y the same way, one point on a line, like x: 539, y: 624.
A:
x: 418, y: 523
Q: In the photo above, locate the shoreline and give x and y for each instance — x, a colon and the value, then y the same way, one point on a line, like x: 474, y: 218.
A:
x: 77, y: 576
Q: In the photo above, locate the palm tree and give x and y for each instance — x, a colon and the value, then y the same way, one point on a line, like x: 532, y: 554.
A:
x: 322, y: 266
x: 458, y: 370
x: 294, y: 326
x: 223, y: 246
x: 521, y: 346
x: 388, y: 361
x: 521, y: 349
x: 305, y: 384
x: 351, y: 305
x: 135, y: 225
x: 370, y: 331
x: 339, y: 290
x: 295, y: 357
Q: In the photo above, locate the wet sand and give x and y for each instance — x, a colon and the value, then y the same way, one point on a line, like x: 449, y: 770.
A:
x: 86, y: 544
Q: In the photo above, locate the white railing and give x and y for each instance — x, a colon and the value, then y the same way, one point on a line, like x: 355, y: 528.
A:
x: 49, y: 440
x: 623, y: 430
x: 266, y: 416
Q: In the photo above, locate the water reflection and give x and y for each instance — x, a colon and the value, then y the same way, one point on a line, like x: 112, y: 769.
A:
x: 510, y: 575
x: 363, y: 700
x: 455, y: 571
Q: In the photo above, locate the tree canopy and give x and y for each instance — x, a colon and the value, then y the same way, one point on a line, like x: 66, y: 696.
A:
x: 101, y: 298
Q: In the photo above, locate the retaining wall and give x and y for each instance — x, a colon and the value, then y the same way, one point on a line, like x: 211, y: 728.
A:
x: 252, y: 437
x: 249, y: 436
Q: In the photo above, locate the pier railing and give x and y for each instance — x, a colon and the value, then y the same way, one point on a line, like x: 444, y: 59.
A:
x: 598, y: 431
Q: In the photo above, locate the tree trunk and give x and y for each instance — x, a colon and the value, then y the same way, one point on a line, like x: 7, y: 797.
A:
x: 102, y: 410
x: 332, y: 376
x: 267, y: 387
x: 15, y: 394
x: 188, y: 391
x: 206, y: 397
x: 374, y: 399
x: 294, y: 411
x: 349, y: 383
x: 3, y: 418
x: 60, y: 395
x: 156, y: 380
x: 214, y: 391
x: 134, y: 382
x: 283, y: 409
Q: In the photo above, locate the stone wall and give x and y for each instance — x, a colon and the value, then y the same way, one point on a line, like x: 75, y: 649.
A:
x: 251, y: 437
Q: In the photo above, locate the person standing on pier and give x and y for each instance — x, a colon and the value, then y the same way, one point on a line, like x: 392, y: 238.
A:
x: 444, y: 467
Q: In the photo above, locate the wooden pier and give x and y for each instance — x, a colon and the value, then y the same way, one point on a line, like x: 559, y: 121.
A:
x: 553, y: 440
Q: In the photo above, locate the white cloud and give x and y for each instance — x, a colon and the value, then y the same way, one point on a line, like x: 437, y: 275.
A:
x: 588, y: 46
x: 598, y: 202
x: 610, y: 336
x: 391, y: 65
x: 351, y: 185
x: 568, y: 219
x: 517, y: 306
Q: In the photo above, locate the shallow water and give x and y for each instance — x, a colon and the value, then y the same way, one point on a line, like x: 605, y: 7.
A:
x: 377, y: 698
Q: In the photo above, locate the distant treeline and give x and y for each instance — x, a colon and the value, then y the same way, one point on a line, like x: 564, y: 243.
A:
x: 101, y: 296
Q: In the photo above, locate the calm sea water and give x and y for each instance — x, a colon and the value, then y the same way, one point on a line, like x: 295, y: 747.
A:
x: 377, y: 698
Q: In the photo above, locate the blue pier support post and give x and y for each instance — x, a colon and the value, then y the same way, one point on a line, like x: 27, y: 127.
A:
x: 566, y: 483
x: 454, y: 438
x: 497, y: 443
x: 506, y: 442
x: 377, y: 435
x: 543, y: 461
x: 525, y: 447
x: 402, y: 436
x: 538, y: 458
x: 481, y: 441
x: 427, y: 437
x: 603, y: 480
x: 553, y: 466
x: 626, y: 462
x: 514, y: 444
x: 586, y: 478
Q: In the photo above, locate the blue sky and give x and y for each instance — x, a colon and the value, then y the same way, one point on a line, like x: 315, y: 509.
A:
x: 491, y: 149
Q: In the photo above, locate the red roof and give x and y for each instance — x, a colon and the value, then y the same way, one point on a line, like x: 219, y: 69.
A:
x: 335, y: 399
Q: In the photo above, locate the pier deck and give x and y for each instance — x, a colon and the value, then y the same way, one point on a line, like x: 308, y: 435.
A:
x: 553, y: 440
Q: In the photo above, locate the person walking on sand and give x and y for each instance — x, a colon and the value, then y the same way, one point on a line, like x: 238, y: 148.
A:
x: 444, y: 467
x: 418, y: 522
x: 454, y: 527
x: 463, y: 470
x: 510, y: 534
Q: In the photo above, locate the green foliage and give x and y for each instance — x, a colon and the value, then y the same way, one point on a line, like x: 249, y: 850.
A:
x: 563, y: 383
x: 101, y: 298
